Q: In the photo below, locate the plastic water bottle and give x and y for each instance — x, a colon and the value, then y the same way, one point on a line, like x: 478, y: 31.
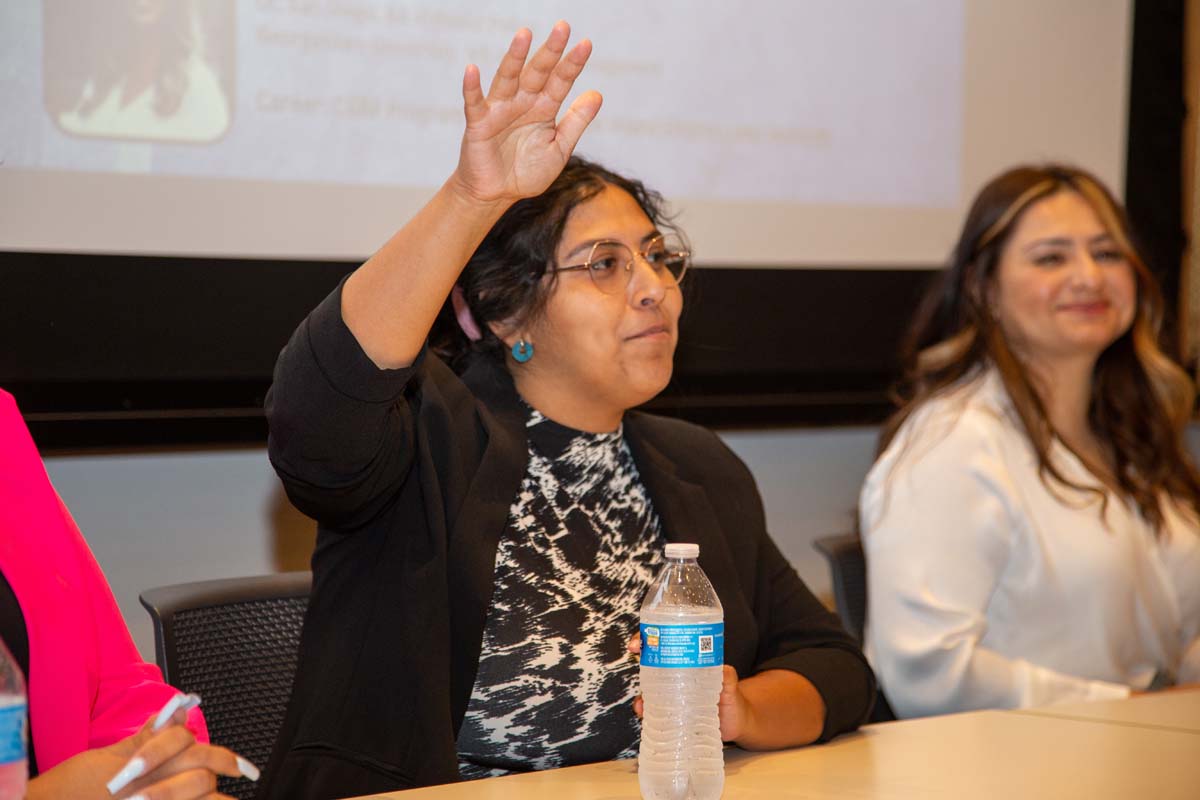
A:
x: 14, y: 773
x: 683, y: 650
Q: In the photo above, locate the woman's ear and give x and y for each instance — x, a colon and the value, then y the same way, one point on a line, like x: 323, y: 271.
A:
x: 506, y: 331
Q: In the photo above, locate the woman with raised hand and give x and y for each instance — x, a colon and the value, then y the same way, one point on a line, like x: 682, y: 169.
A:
x: 491, y: 515
x: 1031, y: 525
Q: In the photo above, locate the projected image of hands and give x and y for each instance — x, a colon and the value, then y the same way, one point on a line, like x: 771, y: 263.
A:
x: 832, y: 102
x: 139, y: 70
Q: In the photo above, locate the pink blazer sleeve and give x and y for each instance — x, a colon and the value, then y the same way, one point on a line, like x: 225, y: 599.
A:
x: 88, y: 686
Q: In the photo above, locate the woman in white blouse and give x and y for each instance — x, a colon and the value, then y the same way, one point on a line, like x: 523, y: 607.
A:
x: 1031, y: 525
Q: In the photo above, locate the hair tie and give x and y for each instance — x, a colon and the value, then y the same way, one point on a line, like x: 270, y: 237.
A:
x: 462, y: 312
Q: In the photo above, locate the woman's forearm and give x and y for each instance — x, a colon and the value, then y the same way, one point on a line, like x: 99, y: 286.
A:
x: 781, y: 709
x: 391, y: 301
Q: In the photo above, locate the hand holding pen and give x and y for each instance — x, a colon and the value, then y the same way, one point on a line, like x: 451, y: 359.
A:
x: 162, y: 761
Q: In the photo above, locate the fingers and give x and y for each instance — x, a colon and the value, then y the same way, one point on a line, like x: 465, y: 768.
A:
x: 539, y: 69
x: 189, y: 785
x: 508, y: 74
x: 729, y: 687
x: 474, y: 103
x: 639, y: 707
x: 729, y: 682
x: 559, y: 84
x: 193, y: 773
x: 210, y: 758
x: 174, y: 750
x: 543, y: 83
x: 572, y: 125
x: 514, y: 138
x: 729, y: 705
x: 175, y: 710
x: 155, y: 751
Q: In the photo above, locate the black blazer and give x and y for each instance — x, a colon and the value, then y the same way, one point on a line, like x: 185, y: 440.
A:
x: 410, y: 474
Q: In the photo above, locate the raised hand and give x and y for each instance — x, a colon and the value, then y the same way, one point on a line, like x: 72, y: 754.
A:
x: 515, y: 145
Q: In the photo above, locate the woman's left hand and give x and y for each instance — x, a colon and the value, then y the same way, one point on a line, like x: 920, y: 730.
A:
x: 731, y: 706
x: 771, y: 709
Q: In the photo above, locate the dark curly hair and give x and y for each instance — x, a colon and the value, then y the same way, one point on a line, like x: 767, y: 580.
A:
x: 505, y: 279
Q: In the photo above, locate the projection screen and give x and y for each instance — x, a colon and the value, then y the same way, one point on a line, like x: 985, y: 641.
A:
x: 842, y: 133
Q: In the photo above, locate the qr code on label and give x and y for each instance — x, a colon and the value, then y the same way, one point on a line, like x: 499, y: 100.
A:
x: 706, y: 645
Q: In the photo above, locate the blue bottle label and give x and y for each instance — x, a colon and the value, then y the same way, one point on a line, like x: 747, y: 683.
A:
x: 12, y: 733
x: 683, y: 645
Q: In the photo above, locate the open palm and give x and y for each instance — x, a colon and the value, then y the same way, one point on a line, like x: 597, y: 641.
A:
x: 515, y: 145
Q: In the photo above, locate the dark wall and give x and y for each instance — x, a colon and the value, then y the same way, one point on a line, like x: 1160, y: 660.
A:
x: 1154, y: 168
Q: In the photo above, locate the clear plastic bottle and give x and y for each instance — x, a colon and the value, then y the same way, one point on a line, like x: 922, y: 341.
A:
x: 14, y: 772
x: 683, y: 650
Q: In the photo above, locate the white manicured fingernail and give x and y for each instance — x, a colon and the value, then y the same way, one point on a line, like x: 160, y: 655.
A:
x: 137, y: 797
x: 247, y: 769
x: 167, y: 711
x: 132, y: 770
x: 184, y: 701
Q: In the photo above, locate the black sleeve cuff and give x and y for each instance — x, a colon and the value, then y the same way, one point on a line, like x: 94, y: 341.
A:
x: 342, y: 360
x: 842, y: 678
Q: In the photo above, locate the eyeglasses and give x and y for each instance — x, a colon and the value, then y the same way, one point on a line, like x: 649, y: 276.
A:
x: 610, y: 264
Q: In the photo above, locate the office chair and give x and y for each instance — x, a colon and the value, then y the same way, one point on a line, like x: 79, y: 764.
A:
x: 235, y: 643
x: 848, y: 567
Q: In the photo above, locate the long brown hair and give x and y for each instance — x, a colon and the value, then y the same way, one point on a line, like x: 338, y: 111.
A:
x: 1141, y: 400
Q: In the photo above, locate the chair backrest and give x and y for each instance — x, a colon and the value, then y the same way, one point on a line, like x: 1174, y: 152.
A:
x: 848, y: 566
x: 234, y: 642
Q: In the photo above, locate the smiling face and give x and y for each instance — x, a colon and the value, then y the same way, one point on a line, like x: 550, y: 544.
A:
x: 598, y: 354
x: 1063, y: 288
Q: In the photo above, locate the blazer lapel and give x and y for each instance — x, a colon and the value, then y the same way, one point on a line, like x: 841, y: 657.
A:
x: 480, y: 522
x: 683, y: 507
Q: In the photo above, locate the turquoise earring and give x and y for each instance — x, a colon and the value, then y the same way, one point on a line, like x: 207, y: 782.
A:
x: 522, y: 351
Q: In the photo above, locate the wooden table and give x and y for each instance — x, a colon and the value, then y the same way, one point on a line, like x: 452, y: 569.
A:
x: 1146, y: 747
x: 1177, y: 710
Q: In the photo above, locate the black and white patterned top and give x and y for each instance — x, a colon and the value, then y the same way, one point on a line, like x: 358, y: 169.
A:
x: 555, y: 684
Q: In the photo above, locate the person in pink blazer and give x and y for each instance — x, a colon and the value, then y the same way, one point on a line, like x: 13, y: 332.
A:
x: 93, y: 702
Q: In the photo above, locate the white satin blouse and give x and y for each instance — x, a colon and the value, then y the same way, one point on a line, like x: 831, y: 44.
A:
x: 989, y: 589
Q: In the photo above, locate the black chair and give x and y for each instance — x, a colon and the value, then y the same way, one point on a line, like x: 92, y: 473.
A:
x: 234, y: 642
x: 848, y: 566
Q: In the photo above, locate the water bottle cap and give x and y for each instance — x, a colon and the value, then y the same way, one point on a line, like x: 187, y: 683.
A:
x: 682, y: 550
